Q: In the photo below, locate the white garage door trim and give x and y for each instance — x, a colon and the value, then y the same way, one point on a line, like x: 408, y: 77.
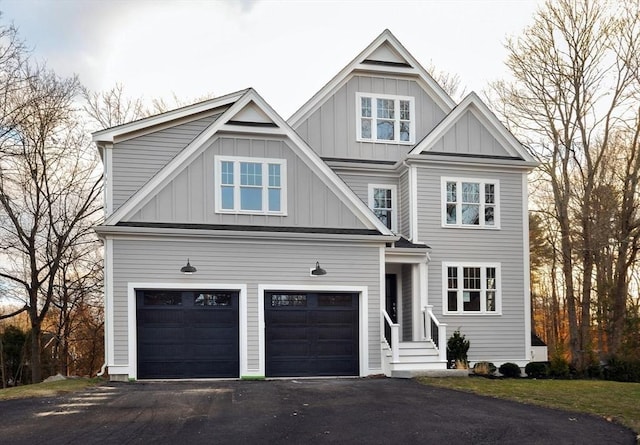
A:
x: 363, y: 318
x: 132, y: 368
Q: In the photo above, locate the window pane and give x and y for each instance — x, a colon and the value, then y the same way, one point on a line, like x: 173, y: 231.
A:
x: 385, y: 130
x: 335, y: 300
x: 405, y: 110
x: 451, y: 214
x: 365, y: 104
x: 471, y: 301
x: 227, y: 197
x: 250, y: 198
x: 452, y: 300
x: 384, y: 216
x: 227, y: 173
x: 217, y: 299
x: 470, y: 192
x: 386, y: 108
x: 472, y: 278
x: 489, y: 218
x: 451, y: 192
x: 274, y: 175
x: 405, y: 132
x: 274, y: 200
x: 250, y: 173
x: 489, y: 194
x: 160, y: 298
x: 470, y: 214
x: 288, y: 300
x: 491, y: 277
x: 365, y: 131
x: 491, y: 301
x: 452, y: 277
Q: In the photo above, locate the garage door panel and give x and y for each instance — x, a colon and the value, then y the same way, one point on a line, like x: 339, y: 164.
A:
x: 186, y: 334
x: 317, y: 338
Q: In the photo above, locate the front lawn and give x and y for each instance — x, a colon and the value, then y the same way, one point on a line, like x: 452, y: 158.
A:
x: 615, y: 401
x: 48, y: 389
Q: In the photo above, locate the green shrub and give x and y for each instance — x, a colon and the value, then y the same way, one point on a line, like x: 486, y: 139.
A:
x: 509, y: 370
x: 537, y: 370
x: 622, y: 370
x: 457, y: 348
x: 559, y: 368
x: 484, y: 368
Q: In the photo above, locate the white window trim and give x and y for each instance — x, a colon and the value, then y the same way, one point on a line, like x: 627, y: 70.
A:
x: 483, y: 271
x: 218, y: 160
x: 394, y: 202
x: 459, y: 181
x: 374, y: 110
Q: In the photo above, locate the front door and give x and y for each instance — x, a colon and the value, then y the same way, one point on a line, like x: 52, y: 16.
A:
x: 391, y: 300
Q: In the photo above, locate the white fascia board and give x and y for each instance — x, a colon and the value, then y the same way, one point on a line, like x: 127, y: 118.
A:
x: 254, y: 236
x: 440, y: 95
x: 474, y: 104
x: 405, y: 256
x: 448, y: 161
x: 109, y: 134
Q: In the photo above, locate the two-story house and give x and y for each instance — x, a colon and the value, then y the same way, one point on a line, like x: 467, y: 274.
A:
x: 350, y: 240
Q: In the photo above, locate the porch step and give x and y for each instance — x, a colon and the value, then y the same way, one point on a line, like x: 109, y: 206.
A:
x: 414, y: 357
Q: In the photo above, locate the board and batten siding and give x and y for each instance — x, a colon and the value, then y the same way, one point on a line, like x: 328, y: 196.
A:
x: 249, y: 262
x: 407, y: 303
x: 404, y: 201
x: 492, y: 337
x: 190, y: 196
x: 469, y: 136
x: 137, y: 160
x: 331, y: 129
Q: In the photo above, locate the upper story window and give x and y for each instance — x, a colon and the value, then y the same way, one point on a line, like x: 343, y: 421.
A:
x: 384, y: 118
x: 251, y: 185
x: 471, y: 288
x: 470, y: 203
x: 383, y: 202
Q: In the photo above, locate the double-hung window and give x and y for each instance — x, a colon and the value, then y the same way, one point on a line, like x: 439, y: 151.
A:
x: 470, y: 203
x: 383, y: 202
x: 250, y: 185
x: 471, y: 288
x: 385, y: 118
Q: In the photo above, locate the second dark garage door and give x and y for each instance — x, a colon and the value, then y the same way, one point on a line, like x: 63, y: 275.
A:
x: 311, y: 334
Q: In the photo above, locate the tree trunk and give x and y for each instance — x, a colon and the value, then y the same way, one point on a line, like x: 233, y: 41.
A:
x: 36, y: 353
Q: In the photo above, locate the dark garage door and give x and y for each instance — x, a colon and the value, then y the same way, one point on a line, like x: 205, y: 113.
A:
x: 311, y: 334
x: 187, y: 334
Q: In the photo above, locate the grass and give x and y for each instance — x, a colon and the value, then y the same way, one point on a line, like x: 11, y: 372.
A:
x: 48, y: 389
x: 615, y: 401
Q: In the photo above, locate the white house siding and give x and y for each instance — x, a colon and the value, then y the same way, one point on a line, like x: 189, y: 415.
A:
x: 331, y: 129
x: 190, y: 196
x: 251, y: 262
x: 136, y: 160
x: 492, y: 337
x: 469, y: 136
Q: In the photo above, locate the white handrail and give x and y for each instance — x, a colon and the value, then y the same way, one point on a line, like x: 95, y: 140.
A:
x: 442, y: 332
x: 395, y: 338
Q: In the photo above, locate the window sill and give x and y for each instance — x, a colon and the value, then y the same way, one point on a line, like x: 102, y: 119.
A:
x: 249, y: 212
x: 374, y: 141
x: 460, y: 226
x: 473, y: 314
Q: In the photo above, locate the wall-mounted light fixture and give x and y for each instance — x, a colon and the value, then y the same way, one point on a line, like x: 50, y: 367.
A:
x: 318, y: 270
x: 188, y: 269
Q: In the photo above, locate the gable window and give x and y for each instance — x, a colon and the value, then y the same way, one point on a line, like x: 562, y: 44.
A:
x: 470, y: 203
x: 250, y: 185
x: 383, y: 202
x: 471, y: 288
x: 384, y: 118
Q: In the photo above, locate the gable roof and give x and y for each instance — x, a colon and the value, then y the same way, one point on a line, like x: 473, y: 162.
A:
x: 474, y: 104
x: 386, y: 55
x: 248, y: 113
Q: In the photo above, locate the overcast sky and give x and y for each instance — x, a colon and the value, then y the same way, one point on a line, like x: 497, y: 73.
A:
x: 286, y: 50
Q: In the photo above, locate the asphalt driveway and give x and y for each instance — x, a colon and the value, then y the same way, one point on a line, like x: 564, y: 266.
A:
x: 351, y: 411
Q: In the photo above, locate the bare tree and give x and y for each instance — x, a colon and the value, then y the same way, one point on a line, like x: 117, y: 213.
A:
x: 574, y: 85
x: 50, y: 191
